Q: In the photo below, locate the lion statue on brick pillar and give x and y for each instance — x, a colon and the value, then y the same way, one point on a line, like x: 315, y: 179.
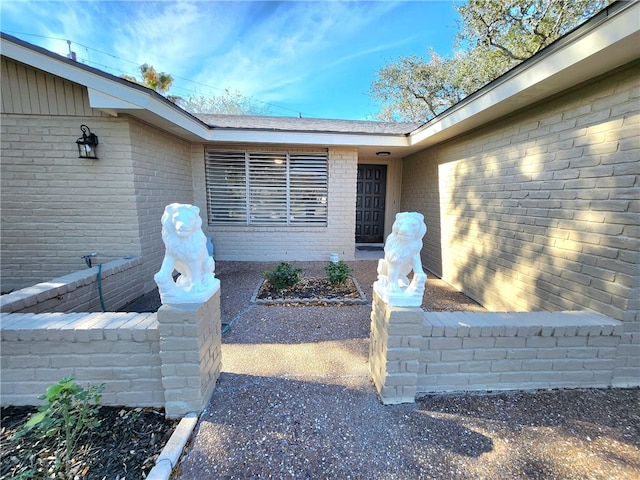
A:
x: 401, y: 256
x: 187, y: 253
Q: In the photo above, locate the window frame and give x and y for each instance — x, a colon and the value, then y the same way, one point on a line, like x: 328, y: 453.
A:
x: 299, y: 197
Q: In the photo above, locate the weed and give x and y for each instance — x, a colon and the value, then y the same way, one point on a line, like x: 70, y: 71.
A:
x: 69, y: 413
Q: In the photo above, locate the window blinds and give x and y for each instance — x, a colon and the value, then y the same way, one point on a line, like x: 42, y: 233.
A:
x: 254, y: 188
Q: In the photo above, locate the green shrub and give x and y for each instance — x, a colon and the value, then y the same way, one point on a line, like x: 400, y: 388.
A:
x: 70, y: 412
x: 283, y: 276
x: 337, y: 272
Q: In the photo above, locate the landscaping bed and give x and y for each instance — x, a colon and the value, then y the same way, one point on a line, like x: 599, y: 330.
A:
x: 244, y: 276
x: 311, y: 291
x: 124, y: 446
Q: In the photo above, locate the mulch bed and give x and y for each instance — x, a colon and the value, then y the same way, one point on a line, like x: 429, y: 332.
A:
x: 124, y: 446
x: 311, y: 291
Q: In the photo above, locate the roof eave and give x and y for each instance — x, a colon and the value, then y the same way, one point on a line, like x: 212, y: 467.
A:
x: 116, y: 96
x: 236, y: 135
x: 609, y: 40
x: 107, y: 92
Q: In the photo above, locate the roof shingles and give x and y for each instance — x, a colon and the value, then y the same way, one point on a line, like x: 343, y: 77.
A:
x: 295, y: 124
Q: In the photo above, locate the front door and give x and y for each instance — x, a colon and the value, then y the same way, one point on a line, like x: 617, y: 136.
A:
x: 372, y: 183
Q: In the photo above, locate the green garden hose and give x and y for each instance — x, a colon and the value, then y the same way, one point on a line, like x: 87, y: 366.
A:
x: 100, y: 287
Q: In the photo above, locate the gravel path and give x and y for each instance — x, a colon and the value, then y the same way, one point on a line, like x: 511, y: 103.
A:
x: 294, y: 401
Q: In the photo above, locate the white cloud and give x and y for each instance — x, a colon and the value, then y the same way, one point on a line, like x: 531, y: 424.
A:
x: 291, y: 53
x: 168, y: 35
x: 281, y: 53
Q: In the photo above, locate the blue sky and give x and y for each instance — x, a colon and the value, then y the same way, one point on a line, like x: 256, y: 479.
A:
x: 313, y: 58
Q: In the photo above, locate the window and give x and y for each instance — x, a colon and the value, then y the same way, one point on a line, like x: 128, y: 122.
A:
x: 253, y: 188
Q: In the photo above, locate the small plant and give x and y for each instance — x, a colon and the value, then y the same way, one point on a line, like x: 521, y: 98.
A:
x: 338, y: 272
x: 283, y: 276
x: 69, y: 413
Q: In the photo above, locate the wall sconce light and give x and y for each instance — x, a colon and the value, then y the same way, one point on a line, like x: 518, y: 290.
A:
x: 383, y: 154
x: 87, y: 143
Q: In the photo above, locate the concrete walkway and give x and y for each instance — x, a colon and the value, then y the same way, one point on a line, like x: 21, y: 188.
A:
x: 286, y: 372
x: 294, y: 401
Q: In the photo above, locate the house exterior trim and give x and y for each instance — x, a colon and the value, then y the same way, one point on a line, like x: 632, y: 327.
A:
x: 609, y: 40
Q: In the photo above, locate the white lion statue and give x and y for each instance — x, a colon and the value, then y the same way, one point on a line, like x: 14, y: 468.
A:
x: 187, y: 253
x: 401, y: 256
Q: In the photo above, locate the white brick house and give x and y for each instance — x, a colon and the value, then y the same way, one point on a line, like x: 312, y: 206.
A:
x: 529, y: 186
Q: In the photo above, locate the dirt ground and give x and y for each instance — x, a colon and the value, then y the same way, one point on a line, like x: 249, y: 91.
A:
x: 125, y: 445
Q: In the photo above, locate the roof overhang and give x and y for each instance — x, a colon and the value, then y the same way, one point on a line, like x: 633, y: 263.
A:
x: 608, y: 40
x: 116, y: 96
x: 108, y: 93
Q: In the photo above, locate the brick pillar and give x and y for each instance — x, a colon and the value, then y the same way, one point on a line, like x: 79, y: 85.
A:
x: 190, y: 351
x: 394, y: 350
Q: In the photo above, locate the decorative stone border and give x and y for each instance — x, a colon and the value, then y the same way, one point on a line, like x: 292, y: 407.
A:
x: 311, y: 301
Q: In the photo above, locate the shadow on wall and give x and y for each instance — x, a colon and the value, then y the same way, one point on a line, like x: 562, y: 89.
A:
x: 421, y: 193
x: 537, y: 225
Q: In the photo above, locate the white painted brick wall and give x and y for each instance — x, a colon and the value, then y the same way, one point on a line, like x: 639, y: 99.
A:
x: 170, y: 359
x: 414, y: 352
x: 191, y: 354
x: 627, y: 367
x: 540, y: 211
x: 57, y: 207
x: 161, y: 165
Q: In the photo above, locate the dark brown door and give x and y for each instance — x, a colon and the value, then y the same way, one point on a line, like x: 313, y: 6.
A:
x: 372, y: 185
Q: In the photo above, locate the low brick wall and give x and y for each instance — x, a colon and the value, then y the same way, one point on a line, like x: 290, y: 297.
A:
x: 79, y: 291
x: 512, y: 351
x: 173, y: 363
x: 120, y: 349
x: 414, y: 352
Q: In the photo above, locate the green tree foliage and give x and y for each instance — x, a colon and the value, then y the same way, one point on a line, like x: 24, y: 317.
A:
x: 521, y: 28
x: 494, y: 36
x: 158, y: 81
x: 150, y: 78
x: 231, y: 103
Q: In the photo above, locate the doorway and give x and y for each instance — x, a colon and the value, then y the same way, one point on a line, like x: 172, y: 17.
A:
x: 370, y: 203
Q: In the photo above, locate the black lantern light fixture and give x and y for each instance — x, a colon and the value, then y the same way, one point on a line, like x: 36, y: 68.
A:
x: 87, y: 143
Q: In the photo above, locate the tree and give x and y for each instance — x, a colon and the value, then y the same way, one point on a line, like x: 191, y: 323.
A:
x: 414, y: 89
x: 231, y: 103
x: 158, y: 81
x: 494, y: 36
x: 521, y: 28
